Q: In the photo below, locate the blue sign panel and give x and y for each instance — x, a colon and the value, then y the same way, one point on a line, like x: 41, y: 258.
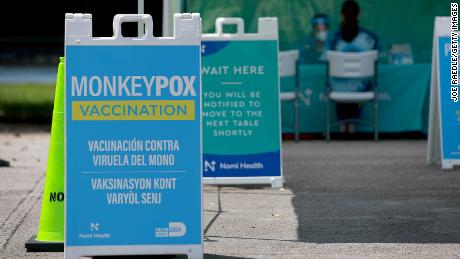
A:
x: 241, y: 124
x: 450, y: 110
x: 133, y: 145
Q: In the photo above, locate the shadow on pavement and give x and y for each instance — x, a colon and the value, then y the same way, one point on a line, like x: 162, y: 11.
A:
x: 207, y: 256
x: 373, y: 195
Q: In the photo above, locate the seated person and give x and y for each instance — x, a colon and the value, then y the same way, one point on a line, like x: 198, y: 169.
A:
x: 313, y: 46
x: 351, y: 38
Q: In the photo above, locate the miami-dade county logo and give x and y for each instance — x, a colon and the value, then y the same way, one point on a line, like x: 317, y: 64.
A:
x: 174, y: 229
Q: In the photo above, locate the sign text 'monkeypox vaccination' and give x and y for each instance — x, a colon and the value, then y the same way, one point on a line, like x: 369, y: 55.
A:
x: 133, y: 86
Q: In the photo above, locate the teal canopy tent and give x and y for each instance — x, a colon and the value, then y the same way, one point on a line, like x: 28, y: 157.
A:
x: 394, y: 21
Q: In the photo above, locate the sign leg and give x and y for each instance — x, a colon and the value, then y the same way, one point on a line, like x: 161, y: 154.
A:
x: 277, y: 183
x: 195, y: 254
x: 447, y: 165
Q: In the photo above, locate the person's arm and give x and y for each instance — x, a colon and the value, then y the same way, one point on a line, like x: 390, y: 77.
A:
x: 331, y: 43
x: 302, y: 51
x: 376, y: 42
x: 327, y: 46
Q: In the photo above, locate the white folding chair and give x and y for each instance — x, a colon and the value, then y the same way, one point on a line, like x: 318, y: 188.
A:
x: 288, y: 66
x: 352, y: 65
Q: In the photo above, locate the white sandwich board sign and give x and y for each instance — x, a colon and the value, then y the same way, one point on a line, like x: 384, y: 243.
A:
x: 133, y: 139
x: 241, y: 105
x: 444, y: 123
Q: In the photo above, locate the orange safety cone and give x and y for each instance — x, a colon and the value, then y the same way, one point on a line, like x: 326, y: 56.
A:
x: 50, y: 236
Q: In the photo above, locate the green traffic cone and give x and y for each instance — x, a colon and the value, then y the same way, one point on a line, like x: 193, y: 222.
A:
x: 50, y: 236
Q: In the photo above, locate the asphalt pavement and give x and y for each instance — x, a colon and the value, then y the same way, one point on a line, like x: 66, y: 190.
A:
x: 343, y: 199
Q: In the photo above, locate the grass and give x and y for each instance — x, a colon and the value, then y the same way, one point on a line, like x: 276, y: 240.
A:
x: 26, y: 102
